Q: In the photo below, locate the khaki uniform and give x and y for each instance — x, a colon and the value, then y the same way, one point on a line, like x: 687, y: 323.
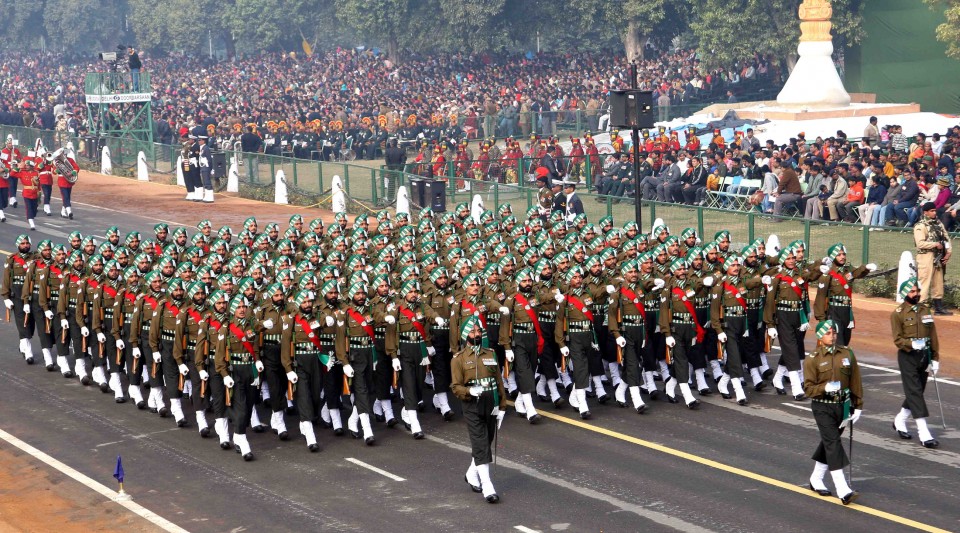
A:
x: 910, y: 323
x: 926, y: 235
x: 478, y: 368
x: 235, y: 356
x: 826, y: 364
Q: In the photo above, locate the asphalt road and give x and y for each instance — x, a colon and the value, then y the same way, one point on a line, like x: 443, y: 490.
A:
x: 720, y: 468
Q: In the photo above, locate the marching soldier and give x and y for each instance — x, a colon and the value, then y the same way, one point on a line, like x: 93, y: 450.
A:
x: 575, y: 336
x: 356, y: 352
x: 70, y: 289
x: 835, y: 291
x: 205, y: 361
x: 730, y: 318
x: 104, y: 307
x: 522, y: 339
x: 548, y: 296
x: 918, y: 353
x: 14, y: 277
x: 191, y: 321
x: 235, y: 360
x: 140, y: 324
x: 439, y: 297
x: 681, y: 329
x: 382, y: 308
x: 410, y: 347
x: 163, y: 330
x: 302, y: 355
x: 329, y: 316
x: 627, y: 316
x: 269, y: 317
x: 477, y: 383
x: 86, y: 299
x: 933, y: 252
x: 47, y: 287
x: 832, y: 381
x: 125, y: 306
x: 786, y: 314
x: 35, y: 282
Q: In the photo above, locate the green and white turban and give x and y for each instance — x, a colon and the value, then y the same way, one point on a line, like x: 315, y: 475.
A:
x: 907, y: 286
x: 236, y: 302
x: 824, y: 327
x: 356, y: 288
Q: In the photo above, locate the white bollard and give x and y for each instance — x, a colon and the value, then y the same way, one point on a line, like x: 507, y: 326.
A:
x: 476, y: 208
x: 403, y: 201
x: 339, y: 199
x: 106, y: 167
x: 280, y: 195
x: 233, y: 176
x: 180, y: 181
x: 142, y: 173
x: 907, y: 269
x: 71, y: 151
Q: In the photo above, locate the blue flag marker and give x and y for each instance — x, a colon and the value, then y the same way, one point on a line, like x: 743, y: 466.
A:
x: 118, y: 473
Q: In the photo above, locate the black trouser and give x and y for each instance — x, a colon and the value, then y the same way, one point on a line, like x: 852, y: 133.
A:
x: 605, y: 340
x: 309, y: 386
x: 383, y: 374
x: 205, y: 178
x: 197, y: 400
x: 135, y: 365
x: 752, y: 345
x: 698, y: 353
x: 791, y: 339
x: 63, y: 344
x: 107, y: 351
x: 736, y: 345
x: 685, y: 335
x: 580, y: 346
x: 440, y: 366
x: 411, y: 373
x: 47, y: 193
x: 493, y: 333
x: 481, y: 426
x: 525, y: 360
x: 632, y: 353
x: 830, y: 450
x: 913, y: 374
x: 333, y: 383
x: 216, y: 391
x: 24, y: 321
x: 550, y: 357
x: 45, y: 329
x: 841, y: 315
x: 361, y: 359
x: 243, y: 396
x: 79, y: 352
x: 656, y: 342
x: 171, y: 374
x: 274, y: 376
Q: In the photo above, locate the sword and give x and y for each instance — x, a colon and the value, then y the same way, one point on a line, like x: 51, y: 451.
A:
x: 850, y: 469
x: 936, y: 386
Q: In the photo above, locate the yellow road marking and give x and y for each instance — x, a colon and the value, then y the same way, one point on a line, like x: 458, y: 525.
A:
x: 741, y: 472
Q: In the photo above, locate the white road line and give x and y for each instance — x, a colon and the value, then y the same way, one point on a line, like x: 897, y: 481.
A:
x: 795, y: 406
x: 176, y: 224
x: 526, y: 529
x: 92, y: 484
x: 897, y: 372
x: 374, y: 469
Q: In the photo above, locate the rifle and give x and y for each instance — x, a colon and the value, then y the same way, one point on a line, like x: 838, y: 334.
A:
x: 619, y: 324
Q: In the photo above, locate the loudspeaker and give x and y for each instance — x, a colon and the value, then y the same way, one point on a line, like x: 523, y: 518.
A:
x: 436, y: 196
x: 631, y: 108
x: 418, y: 193
x: 219, y: 167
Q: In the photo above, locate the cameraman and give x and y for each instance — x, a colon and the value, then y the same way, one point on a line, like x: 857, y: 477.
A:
x: 135, y: 66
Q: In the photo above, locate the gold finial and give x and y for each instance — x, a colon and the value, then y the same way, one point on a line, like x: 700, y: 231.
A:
x: 815, y: 22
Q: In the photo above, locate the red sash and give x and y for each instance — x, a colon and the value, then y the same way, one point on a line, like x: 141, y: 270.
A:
x: 413, y: 319
x: 214, y: 324
x: 368, y: 328
x: 736, y: 294
x: 19, y: 260
x: 310, y: 334
x: 793, y: 284
x: 635, y: 300
x: 195, y: 315
x: 473, y: 309
x: 40, y: 264
x: 678, y: 292
x: 56, y: 270
x: 93, y: 283
x: 533, y: 318
x: 242, y: 337
x: 843, y: 283
x: 130, y: 296
x: 174, y: 310
x: 580, y: 307
x: 110, y: 290
x: 151, y: 301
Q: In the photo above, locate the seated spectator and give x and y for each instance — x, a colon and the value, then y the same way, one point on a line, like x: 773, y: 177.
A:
x: 909, y: 192
x: 695, y: 183
x: 788, y: 190
x: 875, y: 195
x: 855, y: 196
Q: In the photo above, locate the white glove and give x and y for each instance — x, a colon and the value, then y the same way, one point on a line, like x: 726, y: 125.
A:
x: 934, y: 367
x: 856, y: 416
x: 9, y: 303
x: 504, y: 311
x: 348, y: 371
x: 722, y: 337
x: 476, y: 391
x: 671, y: 342
x: 292, y: 377
x: 390, y: 319
x: 183, y: 369
x: 496, y: 411
x: 772, y: 333
x: 101, y: 338
x: 558, y: 297
x: 136, y: 352
x: 826, y: 261
x: 268, y: 323
x: 431, y: 351
x: 84, y: 331
x: 708, y: 281
x: 396, y: 365
x: 255, y: 382
x: 805, y: 326
x: 565, y: 351
x: 440, y: 321
x: 156, y: 357
x: 26, y: 308
x: 824, y: 269
x: 766, y: 280
x: 832, y: 386
x: 425, y: 361
x: 621, y: 342
x: 919, y: 344
x: 330, y: 321
x: 509, y: 355
x: 659, y: 284
x: 500, y: 415
x: 120, y: 344
x: 204, y: 375
x: 64, y: 324
x: 259, y: 365
x: 872, y: 267
x: 49, y: 314
x: 228, y: 382
x: 611, y: 289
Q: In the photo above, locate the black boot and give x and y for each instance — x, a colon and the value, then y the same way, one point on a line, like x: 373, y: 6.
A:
x: 939, y: 309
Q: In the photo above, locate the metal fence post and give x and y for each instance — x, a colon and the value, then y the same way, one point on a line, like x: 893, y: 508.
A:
x: 750, y: 226
x: 865, y: 254
x: 806, y: 232
x: 373, y: 184
x: 320, y: 177
x: 346, y: 179
x: 294, y: 171
x: 700, y: 222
